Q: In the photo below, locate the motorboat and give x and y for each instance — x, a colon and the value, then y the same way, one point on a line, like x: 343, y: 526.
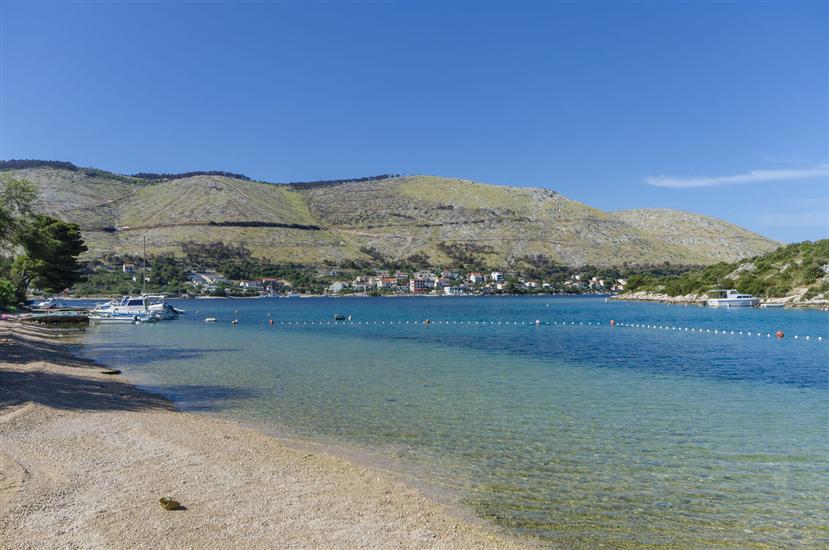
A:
x: 51, y: 303
x: 157, y: 304
x: 123, y: 318
x: 142, y: 306
x: 731, y: 298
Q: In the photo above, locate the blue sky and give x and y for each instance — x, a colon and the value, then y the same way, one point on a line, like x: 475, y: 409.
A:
x: 720, y: 109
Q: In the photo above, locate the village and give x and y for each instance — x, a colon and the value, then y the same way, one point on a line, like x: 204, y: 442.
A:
x: 390, y: 283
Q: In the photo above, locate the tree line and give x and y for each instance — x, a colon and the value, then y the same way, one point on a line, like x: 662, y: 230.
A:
x: 21, y: 164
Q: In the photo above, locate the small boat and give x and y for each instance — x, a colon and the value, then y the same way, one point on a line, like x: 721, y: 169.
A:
x: 109, y: 319
x: 339, y: 317
x: 123, y: 318
x: 773, y: 304
x: 210, y: 320
x: 51, y: 303
x: 157, y: 304
x: 143, y: 306
x: 731, y: 298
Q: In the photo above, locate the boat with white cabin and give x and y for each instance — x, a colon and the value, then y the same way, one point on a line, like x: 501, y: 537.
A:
x: 132, y: 309
x: 731, y: 298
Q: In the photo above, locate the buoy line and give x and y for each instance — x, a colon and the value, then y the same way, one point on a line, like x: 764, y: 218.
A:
x: 612, y: 324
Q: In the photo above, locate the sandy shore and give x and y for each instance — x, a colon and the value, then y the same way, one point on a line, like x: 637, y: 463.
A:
x: 85, y: 457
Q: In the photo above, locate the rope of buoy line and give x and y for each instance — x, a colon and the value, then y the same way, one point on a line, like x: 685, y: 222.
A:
x: 612, y: 324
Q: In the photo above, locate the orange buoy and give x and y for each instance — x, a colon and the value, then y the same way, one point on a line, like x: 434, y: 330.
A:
x: 612, y: 323
x: 779, y: 334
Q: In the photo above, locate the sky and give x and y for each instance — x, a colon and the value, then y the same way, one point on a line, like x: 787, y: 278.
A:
x: 716, y: 108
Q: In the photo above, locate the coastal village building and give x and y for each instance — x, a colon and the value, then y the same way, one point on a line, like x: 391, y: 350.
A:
x: 251, y: 285
x: 272, y: 284
x: 496, y: 276
x: 128, y: 268
x: 475, y: 278
x: 209, y: 278
x: 382, y: 283
x: 420, y: 286
x: 338, y: 286
x: 442, y: 282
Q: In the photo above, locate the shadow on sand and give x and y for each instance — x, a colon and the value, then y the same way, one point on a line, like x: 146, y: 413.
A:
x: 53, y: 385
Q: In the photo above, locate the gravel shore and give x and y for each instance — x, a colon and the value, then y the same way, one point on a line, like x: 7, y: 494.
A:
x: 85, y: 458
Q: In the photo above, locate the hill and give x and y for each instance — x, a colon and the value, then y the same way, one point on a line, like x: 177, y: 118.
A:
x: 797, y: 273
x: 366, y: 219
x: 704, y: 236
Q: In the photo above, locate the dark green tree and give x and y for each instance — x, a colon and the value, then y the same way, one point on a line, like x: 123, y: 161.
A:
x: 51, y: 249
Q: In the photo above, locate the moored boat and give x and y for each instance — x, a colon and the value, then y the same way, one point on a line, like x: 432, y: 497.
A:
x: 123, y: 318
x: 50, y: 303
x: 731, y: 298
x: 144, y: 306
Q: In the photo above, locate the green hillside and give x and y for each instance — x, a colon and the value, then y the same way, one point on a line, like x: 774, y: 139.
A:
x: 392, y: 217
x: 799, y: 270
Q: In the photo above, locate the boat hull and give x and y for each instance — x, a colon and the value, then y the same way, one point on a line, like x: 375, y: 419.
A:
x: 734, y: 302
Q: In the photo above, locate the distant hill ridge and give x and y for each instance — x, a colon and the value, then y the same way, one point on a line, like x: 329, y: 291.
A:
x: 20, y: 164
x: 332, y: 221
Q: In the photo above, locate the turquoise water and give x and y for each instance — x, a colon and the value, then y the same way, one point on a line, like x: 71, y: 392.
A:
x: 580, y: 434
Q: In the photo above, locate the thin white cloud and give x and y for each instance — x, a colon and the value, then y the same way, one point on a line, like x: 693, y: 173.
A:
x: 755, y: 176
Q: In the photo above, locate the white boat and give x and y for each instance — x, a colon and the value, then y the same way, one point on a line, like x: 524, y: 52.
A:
x: 47, y: 304
x: 157, y: 304
x: 731, y: 298
x: 123, y: 318
x: 773, y: 304
x: 141, y: 306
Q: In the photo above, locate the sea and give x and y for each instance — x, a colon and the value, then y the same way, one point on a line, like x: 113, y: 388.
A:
x: 669, y: 427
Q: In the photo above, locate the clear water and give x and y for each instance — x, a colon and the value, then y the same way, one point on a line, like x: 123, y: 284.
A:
x: 581, y: 434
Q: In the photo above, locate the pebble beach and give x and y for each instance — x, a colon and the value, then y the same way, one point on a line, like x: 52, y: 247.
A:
x: 85, y: 458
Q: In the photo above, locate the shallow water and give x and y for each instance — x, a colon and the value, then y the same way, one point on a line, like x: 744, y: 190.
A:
x: 581, y: 434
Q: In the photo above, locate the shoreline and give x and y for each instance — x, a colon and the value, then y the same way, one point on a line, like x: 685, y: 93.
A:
x: 354, y: 295
x: 694, y: 300
x: 85, y: 457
